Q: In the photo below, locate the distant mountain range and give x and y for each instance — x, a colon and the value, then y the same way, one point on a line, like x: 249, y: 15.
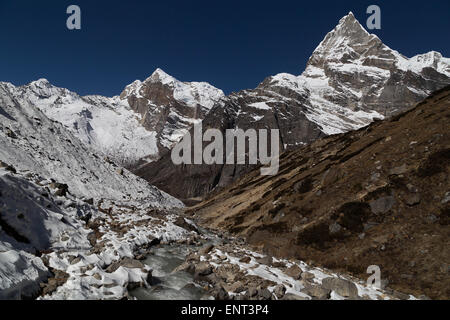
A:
x: 351, y: 79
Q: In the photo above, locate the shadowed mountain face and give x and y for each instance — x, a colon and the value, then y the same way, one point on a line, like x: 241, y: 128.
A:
x: 351, y: 79
x: 376, y: 196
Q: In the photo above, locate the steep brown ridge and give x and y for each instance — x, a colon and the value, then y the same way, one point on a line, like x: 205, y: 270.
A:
x: 376, y: 196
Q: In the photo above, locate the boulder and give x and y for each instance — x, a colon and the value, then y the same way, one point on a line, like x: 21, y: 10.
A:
x: 294, y: 272
x: 317, y: 292
x: 186, y: 267
x: 203, y: 269
x: 245, y: 259
x: 219, y: 293
x: 342, y: 287
x: 382, y: 205
x: 412, y: 199
x: 307, y: 276
x: 399, y: 170
x: 265, y: 294
x: 206, y: 249
x: 279, y: 291
x: 267, y: 260
x: 7, y: 167
x: 291, y: 296
x: 252, y: 291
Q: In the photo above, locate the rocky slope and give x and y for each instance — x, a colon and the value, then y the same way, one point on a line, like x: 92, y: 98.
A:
x: 376, y: 196
x: 170, y: 107
x: 232, y: 271
x: 108, y: 125
x: 351, y: 79
x: 147, y: 118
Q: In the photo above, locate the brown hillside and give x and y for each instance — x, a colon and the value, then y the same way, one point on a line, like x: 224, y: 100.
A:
x: 376, y: 196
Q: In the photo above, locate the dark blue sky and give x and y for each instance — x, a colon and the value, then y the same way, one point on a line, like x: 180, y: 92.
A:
x: 233, y: 45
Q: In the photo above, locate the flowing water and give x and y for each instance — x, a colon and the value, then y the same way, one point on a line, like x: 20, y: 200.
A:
x: 166, y: 284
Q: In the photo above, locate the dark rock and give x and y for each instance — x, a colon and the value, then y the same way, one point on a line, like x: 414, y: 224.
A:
x: 342, y: 287
x: 186, y: 267
x: 294, y: 272
x: 317, y: 292
x: 92, y: 238
x: 75, y: 261
x: 399, y: 170
x: 400, y: 296
x: 267, y: 260
x: 291, y: 296
x: 265, y: 294
x: 382, y: 205
x: 89, y: 201
x: 205, y: 250
x: 203, y: 269
x: 7, y: 167
x: 307, y: 276
x: 182, y: 223
x: 252, y: 291
x: 412, y: 199
x: 220, y: 293
x: 245, y: 260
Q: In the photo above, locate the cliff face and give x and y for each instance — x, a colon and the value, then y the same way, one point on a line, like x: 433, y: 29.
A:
x: 376, y: 196
x: 170, y: 107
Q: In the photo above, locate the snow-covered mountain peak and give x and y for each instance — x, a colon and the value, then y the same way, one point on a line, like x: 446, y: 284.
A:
x: 433, y: 59
x: 169, y: 106
x: 40, y: 83
x: 349, y: 19
x: 347, y: 41
x: 161, y: 76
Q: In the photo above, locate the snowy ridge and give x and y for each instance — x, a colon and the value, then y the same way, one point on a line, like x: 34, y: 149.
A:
x: 170, y: 106
x: 109, y: 125
x: 31, y: 141
x: 335, y: 79
x: 189, y: 93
